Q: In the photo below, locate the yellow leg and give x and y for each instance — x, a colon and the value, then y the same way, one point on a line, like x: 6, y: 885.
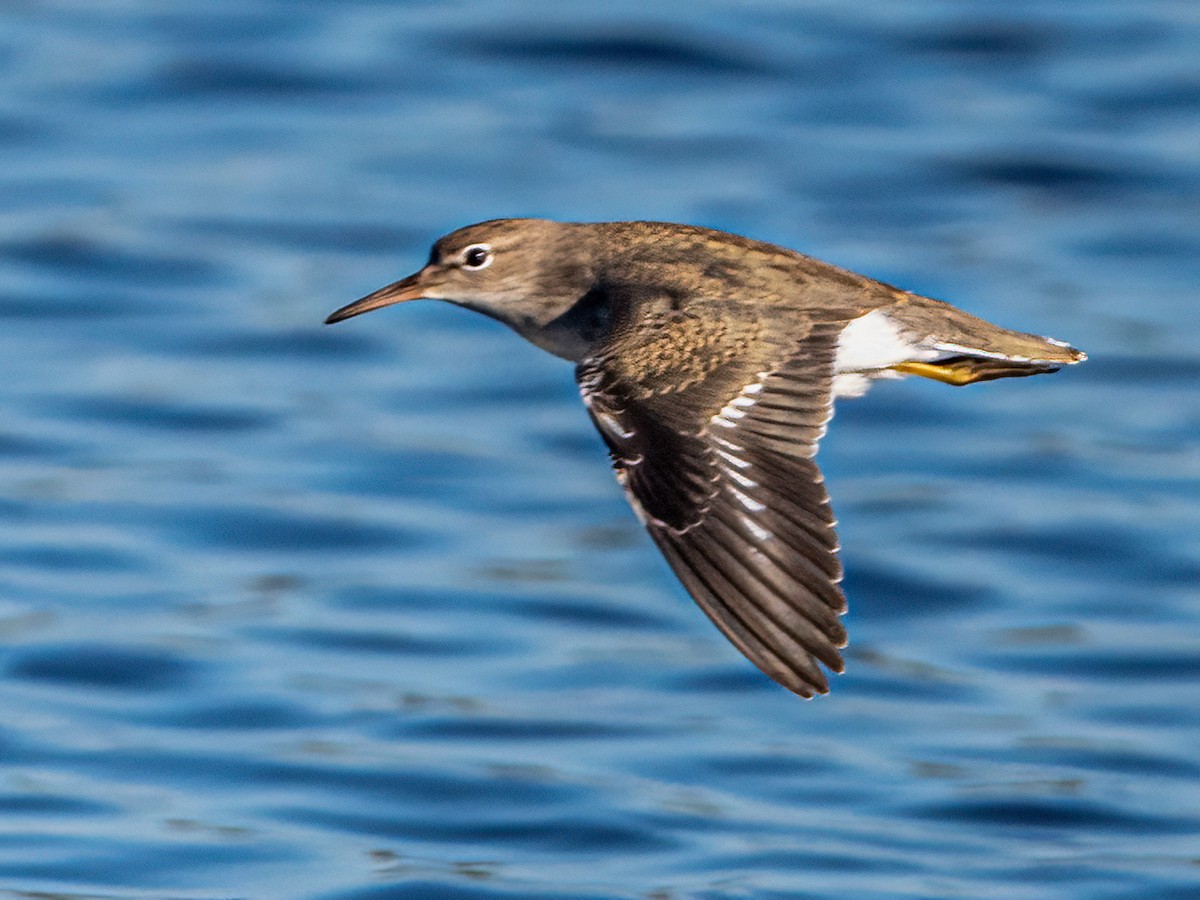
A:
x: 948, y: 374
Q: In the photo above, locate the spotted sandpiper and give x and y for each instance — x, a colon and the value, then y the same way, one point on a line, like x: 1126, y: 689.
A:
x: 709, y: 362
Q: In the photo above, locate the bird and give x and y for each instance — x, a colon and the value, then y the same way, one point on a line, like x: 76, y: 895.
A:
x: 710, y: 362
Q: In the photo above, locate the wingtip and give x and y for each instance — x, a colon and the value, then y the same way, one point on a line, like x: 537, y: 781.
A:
x: 804, y: 684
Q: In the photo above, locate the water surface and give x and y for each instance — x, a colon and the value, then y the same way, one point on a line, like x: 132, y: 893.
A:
x: 360, y: 612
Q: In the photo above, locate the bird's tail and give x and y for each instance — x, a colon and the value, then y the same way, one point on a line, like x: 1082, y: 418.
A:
x: 969, y: 349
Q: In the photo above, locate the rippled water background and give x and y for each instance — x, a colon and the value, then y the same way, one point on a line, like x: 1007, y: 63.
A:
x: 292, y: 611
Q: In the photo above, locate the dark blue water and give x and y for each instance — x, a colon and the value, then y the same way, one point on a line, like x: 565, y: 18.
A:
x: 289, y: 611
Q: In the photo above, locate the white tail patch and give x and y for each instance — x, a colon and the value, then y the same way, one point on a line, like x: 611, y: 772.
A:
x: 867, y: 348
x: 851, y: 384
x: 873, y: 342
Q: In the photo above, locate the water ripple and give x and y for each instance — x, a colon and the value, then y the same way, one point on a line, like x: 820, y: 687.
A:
x: 296, y: 611
x: 103, y: 666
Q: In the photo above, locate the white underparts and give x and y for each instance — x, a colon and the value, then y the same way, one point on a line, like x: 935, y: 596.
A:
x: 867, y: 348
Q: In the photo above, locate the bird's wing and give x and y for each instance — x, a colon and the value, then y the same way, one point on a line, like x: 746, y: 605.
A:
x: 721, y: 472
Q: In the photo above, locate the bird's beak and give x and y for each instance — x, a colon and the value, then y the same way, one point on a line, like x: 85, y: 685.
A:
x: 409, y: 288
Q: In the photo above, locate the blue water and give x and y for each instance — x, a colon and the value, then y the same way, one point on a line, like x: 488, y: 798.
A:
x: 359, y: 612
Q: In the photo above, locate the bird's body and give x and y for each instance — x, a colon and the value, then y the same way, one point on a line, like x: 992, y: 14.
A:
x: 709, y: 362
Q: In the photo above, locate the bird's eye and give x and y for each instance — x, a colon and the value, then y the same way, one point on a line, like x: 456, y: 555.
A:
x: 477, y: 256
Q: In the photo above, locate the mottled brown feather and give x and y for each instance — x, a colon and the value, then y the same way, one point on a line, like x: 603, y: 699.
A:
x: 732, y: 497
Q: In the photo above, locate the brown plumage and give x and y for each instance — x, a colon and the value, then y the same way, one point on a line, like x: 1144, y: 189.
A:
x: 709, y: 363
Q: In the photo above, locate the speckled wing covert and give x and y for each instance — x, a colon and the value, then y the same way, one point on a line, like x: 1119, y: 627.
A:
x: 721, y: 472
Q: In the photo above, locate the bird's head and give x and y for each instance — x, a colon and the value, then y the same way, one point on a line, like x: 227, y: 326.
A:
x: 534, y: 275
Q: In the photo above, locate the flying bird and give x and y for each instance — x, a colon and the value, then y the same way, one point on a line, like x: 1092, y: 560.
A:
x: 710, y: 363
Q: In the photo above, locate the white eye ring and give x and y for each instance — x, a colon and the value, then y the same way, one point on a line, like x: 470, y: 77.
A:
x: 476, y: 257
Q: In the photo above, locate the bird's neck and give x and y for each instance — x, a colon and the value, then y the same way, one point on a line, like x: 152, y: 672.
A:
x: 574, y: 333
